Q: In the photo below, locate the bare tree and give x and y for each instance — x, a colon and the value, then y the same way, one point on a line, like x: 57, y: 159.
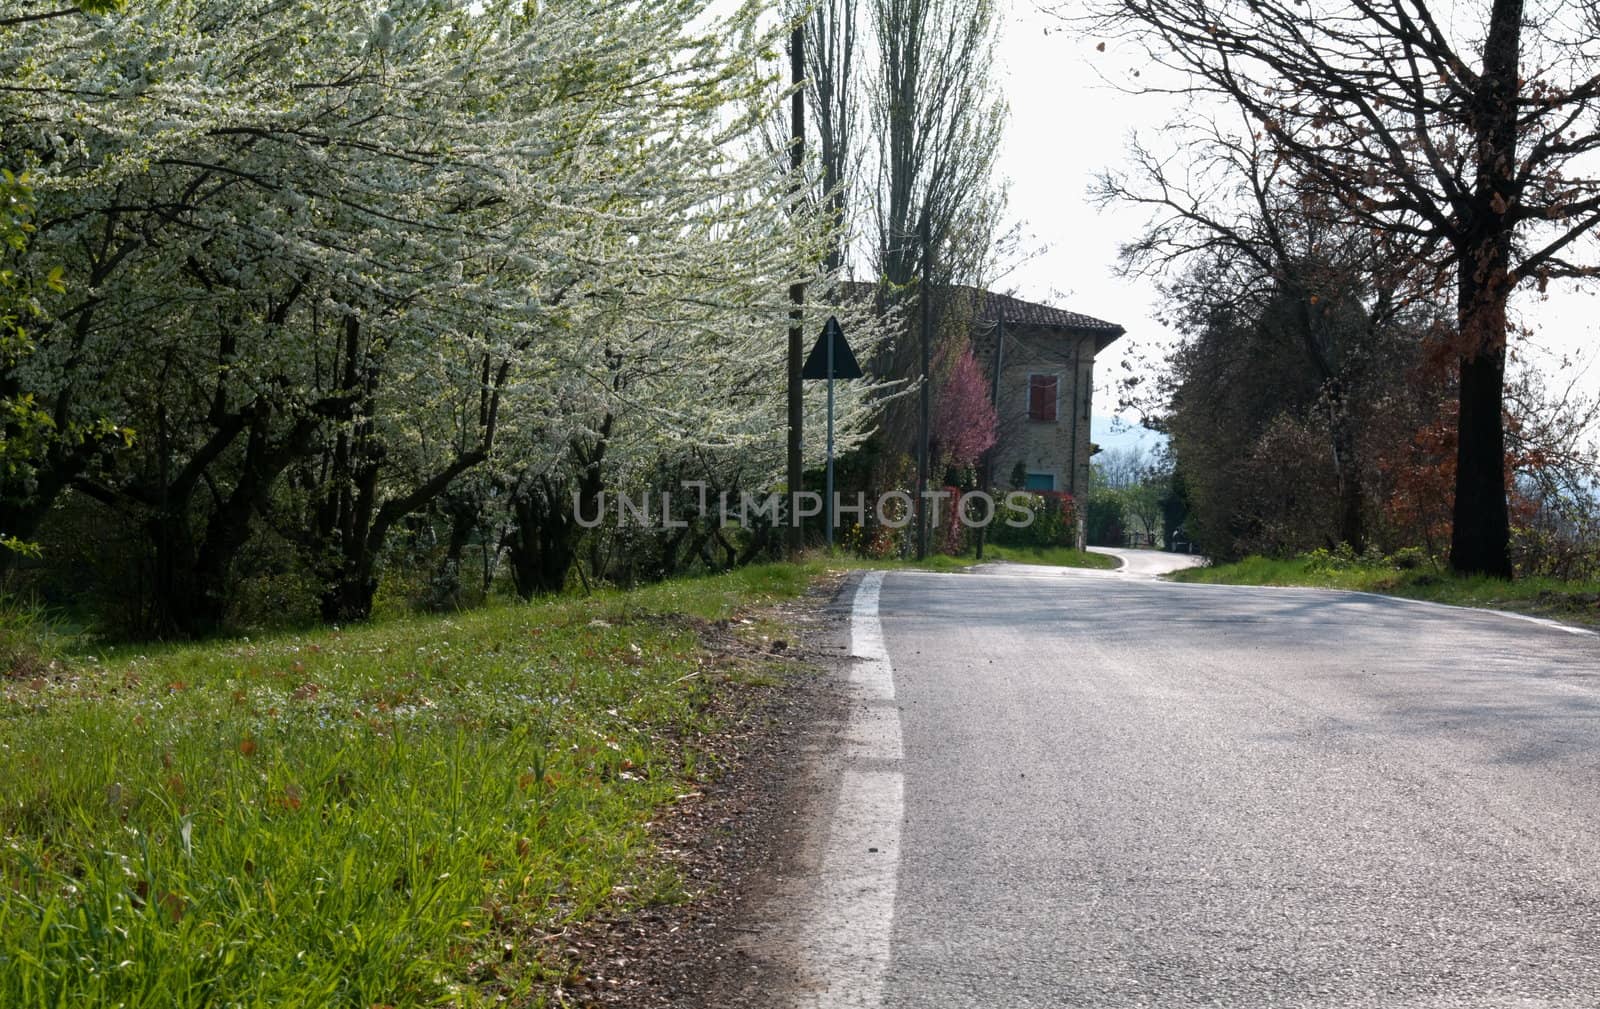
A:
x: 938, y: 122
x: 1120, y: 468
x: 1476, y: 144
x: 832, y: 32
x: 1235, y: 214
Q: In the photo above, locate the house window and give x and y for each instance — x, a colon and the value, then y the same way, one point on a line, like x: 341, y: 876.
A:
x: 1042, y: 396
x: 1039, y: 481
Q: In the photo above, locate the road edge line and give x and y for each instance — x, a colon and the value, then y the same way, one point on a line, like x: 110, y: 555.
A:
x: 1547, y: 623
x: 846, y: 945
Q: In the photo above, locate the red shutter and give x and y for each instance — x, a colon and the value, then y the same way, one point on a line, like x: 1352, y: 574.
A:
x: 1041, y: 397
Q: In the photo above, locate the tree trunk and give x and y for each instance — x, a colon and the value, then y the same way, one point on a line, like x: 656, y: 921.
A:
x: 1352, y: 517
x: 1480, y: 537
x: 1347, y: 468
x: 1352, y: 506
x: 462, y: 510
x: 228, y: 528
x: 22, y: 511
x: 176, y: 600
x: 544, y: 543
x: 348, y: 597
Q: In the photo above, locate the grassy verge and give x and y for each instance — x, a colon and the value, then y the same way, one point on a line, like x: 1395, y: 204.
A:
x: 1064, y: 557
x: 1577, y: 602
x: 942, y: 563
x: 389, y: 815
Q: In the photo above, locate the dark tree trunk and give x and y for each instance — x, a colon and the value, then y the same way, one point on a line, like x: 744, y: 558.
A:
x: 1352, y: 504
x: 544, y: 543
x: 23, y: 508
x: 1480, y: 537
x: 348, y: 597
x: 176, y: 607
x: 355, y: 520
x: 190, y: 573
x: 463, y: 512
x: 760, y: 542
x: 345, y: 518
x: 463, y: 520
x: 1352, y: 513
x: 228, y: 528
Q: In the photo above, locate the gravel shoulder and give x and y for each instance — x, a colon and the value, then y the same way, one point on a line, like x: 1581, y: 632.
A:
x: 743, y: 842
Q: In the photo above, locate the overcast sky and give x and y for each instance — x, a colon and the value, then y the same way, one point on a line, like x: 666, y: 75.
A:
x: 1067, y: 125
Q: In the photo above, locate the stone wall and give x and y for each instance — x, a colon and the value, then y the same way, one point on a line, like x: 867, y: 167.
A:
x: 1060, y: 447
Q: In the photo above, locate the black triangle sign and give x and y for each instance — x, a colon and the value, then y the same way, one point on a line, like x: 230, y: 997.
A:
x: 844, y: 362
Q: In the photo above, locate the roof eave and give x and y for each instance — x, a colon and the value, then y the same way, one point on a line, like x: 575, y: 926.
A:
x: 1105, y: 338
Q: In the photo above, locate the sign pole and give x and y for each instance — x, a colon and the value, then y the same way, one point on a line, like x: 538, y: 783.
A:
x: 828, y: 508
x: 831, y: 358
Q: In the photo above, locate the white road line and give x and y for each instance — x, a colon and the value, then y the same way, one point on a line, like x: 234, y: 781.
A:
x: 845, y: 946
x: 1545, y: 622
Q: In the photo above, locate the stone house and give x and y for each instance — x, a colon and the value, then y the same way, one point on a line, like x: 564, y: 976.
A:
x: 1045, y: 393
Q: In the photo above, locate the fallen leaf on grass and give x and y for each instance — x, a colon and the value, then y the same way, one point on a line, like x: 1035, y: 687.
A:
x: 290, y: 799
x: 174, y: 904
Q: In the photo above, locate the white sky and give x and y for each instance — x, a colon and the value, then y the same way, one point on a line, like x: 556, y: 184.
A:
x: 1066, y: 126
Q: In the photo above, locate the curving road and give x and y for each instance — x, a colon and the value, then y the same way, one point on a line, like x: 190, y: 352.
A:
x: 1075, y: 788
x: 1149, y: 563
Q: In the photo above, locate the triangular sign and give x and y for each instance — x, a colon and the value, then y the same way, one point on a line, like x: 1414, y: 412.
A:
x: 844, y: 362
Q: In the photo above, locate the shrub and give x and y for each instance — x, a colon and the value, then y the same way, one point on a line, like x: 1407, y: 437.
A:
x: 1409, y: 558
x: 1055, y: 523
x: 1323, y: 561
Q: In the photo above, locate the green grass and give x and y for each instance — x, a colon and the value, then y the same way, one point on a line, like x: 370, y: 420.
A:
x: 1057, y: 556
x: 942, y: 563
x: 1577, y: 602
x: 389, y: 815
x: 1064, y: 557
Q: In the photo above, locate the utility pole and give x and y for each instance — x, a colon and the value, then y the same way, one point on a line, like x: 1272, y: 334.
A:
x: 797, y: 291
x: 927, y: 399
x: 999, y: 362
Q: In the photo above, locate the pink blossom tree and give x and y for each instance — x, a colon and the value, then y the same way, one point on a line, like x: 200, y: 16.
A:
x: 964, y: 423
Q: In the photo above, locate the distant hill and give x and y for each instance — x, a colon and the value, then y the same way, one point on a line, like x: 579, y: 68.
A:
x: 1112, y: 433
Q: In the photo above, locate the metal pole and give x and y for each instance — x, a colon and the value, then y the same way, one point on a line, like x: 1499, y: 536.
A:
x: 927, y: 402
x: 829, y: 506
x: 797, y: 297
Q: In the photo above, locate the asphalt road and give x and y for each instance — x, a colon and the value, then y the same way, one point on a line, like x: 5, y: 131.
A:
x: 1116, y: 791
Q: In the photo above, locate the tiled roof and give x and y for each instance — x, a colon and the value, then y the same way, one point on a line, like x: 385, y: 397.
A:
x: 991, y: 307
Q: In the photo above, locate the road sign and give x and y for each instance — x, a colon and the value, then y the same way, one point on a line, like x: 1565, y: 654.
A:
x: 831, y: 359
x: 843, y: 362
